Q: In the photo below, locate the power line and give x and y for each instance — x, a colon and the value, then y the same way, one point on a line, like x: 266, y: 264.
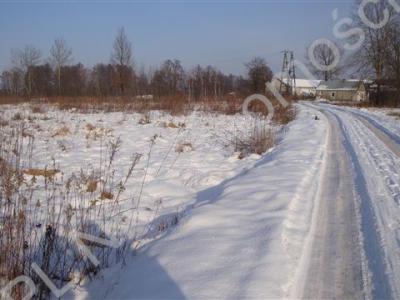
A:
x: 288, y: 74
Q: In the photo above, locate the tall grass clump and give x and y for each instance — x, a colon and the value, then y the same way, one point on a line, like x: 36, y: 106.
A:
x: 261, y: 135
x: 258, y: 139
x: 41, y: 211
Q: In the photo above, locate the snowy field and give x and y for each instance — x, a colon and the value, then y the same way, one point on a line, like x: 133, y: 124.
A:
x: 133, y: 175
x: 241, y: 238
x: 179, y: 156
x: 314, y: 216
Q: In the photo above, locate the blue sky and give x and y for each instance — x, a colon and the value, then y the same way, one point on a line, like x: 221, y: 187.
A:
x: 221, y: 33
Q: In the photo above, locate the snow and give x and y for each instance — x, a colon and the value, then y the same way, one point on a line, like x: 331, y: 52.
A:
x: 238, y: 228
x: 171, y: 178
x: 241, y: 238
x: 383, y: 116
x: 306, y: 83
x: 373, y: 149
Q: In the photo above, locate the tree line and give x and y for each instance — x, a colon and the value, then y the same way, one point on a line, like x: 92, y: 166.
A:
x: 33, y: 76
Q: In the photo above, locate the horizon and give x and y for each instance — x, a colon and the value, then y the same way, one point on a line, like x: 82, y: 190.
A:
x: 224, y: 34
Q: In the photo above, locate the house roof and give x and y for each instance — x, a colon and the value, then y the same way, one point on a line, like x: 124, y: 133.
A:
x: 302, y: 83
x: 344, y: 85
x: 305, y: 83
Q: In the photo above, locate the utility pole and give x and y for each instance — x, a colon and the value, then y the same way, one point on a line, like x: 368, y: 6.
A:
x: 292, y: 72
x: 288, y: 74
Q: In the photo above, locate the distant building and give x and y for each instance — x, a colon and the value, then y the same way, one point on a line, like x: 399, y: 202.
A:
x: 342, y: 90
x: 305, y: 87
x: 301, y: 87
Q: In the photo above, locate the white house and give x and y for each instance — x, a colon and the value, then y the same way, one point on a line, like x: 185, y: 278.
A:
x: 343, y: 90
x: 302, y: 87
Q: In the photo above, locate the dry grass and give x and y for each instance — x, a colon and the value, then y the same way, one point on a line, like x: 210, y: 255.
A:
x: 63, y: 131
x: 12, y: 100
x: 175, y: 105
x: 91, y: 186
x: 145, y: 119
x: 3, y: 122
x: 90, y: 127
x: 394, y: 114
x: 94, y: 133
x: 27, y: 134
x: 41, y: 172
x: 172, y: 124
x: 256, y: 139
x: 259, y: 142
x: 106, y: 195
x: 184, y: 147
x: 262, y: 138
x: 17, y: 117
x: 284, y: 115
x: 39, y: 229
x: 38, y: 109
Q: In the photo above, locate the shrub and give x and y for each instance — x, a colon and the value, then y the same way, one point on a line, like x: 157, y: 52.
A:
x: 284, y: 115
x: 41, y: 172
x: 41, y: 230
x: 145, y: 119
x: 90, y: 127
x: 38, y: 109
x: 17, y: 116
x: 257, y: 141
x: 184, y: 147
x: 394, y: 114
x: 63, y: 131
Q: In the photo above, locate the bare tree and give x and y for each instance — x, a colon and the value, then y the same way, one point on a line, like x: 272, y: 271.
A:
x: 26, y: 59
x: 202, y: 83
x: 392, y: 61
x: 43, y: 76
x: 60, y: 54
x: 102, y: 80
x: 259, y: 73
x: 142, y: 82
x: 370, y: 60
x: 324, y: 56
x: 173, y: 76
x: 12, y: 82
x: 122, y: 58
x: 75, y: 80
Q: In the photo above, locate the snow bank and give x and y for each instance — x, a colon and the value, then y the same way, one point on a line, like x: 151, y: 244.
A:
x: 382, y: 115
x: 243, y: 237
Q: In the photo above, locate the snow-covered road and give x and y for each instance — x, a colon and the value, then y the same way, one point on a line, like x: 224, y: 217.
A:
x: 355, y: 252
x: 335, y: 265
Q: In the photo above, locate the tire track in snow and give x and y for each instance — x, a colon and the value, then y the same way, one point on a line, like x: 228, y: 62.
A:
x: 381, y: 168
x: 377, y: 168
x: 371, y: 238
x: 335, y: 267
x: 382, y: 135
x: 393, y: 136
x: 390, y: 139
